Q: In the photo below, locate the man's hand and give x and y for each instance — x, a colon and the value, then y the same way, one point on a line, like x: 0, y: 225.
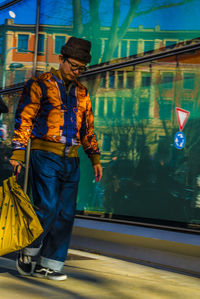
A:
x: 16, y: 166
x: 97, y: 172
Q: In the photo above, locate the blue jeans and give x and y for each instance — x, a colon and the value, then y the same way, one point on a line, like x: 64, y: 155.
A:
x: 54, y: 183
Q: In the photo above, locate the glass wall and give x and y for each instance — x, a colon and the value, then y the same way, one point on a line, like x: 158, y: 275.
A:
x: 6, y: 132
x: 146, y: 178
x: 117, y: 29
x: 145, y: 175
x: 17, y: 40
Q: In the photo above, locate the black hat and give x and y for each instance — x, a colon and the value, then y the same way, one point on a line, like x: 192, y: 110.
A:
x: 77, y: 48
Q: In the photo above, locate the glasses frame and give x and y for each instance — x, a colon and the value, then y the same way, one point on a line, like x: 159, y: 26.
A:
x: 75, y: 67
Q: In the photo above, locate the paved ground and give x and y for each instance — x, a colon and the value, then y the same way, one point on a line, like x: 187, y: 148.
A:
x: 98, y: 277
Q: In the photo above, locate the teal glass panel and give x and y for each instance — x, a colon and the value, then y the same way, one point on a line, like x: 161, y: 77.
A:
x: 119, y: 29
x: 17, y: 39
x: 145, y: 177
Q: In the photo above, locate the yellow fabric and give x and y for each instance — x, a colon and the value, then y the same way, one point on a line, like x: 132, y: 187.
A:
x: 54, y: 147
x: 95, y: 159
x: 32, y: 105
x: 18, y: 155
x: 19, y: 225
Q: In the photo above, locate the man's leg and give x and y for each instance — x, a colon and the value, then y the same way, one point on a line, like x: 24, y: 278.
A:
x: 45, y: 185
x: 56, y: 242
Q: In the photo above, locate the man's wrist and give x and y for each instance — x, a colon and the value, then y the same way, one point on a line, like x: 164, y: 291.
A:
x: 95, y: 159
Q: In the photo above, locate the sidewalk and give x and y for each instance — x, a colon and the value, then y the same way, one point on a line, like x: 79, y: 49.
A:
x: 98, y: 277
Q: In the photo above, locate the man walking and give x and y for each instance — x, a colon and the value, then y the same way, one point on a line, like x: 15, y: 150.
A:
x: 55, y: 111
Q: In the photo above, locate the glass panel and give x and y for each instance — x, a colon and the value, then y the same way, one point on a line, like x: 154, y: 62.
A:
x: 17, y: 36
x: 119, y: 29
x: 6, y: 132
x: 146, y: 178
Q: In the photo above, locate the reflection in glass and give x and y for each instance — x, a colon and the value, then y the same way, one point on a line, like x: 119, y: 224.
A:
x: 7, y: 126
x: 118, y: 29
x: 129, y: 29
x: 17, y: 37
x: 145, y: 176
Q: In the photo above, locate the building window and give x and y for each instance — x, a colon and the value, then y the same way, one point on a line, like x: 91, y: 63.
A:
x: 118, y: 108
x: 101, y: 107
x: 115, y: 54
x: 188, y: 81
x: 124, y: 143
x: 170, y: 43
x: 146, y: 80
x: 40, y: 43
x: 1, y: 44
x: 167, y: 80
x: 59, y: 42
x: 103, y: 81
x: 148, y: 46
x: 187, y: 104
x: 123, y: 48
x: 111, y: 79
x: 128, y: 108
x: 109, y: 107
x: 106, y: 143
x: 133, y: 48
x: 23, y: 42
x: 143, y: 110
x: 165, y: 111
x: 130, y: 80
x: 120, y: 79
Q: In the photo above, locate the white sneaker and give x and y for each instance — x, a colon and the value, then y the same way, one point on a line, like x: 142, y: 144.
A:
x: 42, y: 272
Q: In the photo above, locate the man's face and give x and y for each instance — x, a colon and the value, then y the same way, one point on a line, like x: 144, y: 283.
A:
x: 71, y: 68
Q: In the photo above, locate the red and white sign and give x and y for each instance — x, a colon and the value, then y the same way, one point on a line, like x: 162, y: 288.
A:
x: 182, y: 116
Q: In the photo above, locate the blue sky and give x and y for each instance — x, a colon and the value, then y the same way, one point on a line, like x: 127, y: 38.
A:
x: 185, y: 17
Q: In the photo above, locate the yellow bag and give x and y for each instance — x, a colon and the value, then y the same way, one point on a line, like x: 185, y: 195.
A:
x: 19, y: 224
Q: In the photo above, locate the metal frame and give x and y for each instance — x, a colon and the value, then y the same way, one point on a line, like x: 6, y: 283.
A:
x: 10, y: 3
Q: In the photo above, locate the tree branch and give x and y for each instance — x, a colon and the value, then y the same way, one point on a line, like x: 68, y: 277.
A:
x: 116, y: 15
x: 167, y: 5
x: 131, y: 14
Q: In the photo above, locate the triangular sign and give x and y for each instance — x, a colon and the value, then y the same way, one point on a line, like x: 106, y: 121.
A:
x: 182, y: 116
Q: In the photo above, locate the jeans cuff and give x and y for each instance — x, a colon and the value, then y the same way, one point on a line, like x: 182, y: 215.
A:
x: 31, y: 251
x: 51, y: 264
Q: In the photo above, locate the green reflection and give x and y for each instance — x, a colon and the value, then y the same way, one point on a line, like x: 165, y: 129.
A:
x: 145, y: 176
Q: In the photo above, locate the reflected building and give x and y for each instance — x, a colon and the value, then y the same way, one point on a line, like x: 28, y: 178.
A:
x: 129, y: 103
x: 134, y: 110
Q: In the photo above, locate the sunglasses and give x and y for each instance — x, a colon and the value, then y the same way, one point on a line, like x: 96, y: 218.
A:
x: 75, y: 67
